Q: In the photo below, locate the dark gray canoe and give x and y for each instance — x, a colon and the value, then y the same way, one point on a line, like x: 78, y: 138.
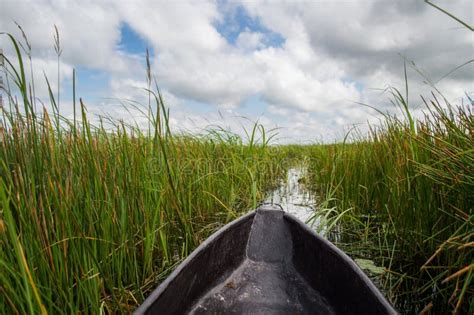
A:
x: 266, y: 262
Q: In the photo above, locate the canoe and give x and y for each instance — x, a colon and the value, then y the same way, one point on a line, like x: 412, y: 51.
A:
x: 266, y: 262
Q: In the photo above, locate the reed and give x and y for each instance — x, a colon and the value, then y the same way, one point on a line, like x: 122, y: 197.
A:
x: 93, y: 217
x: 409, y: 190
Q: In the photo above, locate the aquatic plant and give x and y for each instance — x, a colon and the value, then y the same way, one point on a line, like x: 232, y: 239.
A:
x: 409, y: 189
x: 94, y: 216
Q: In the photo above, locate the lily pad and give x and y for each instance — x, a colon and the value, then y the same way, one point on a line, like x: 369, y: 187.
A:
x: 369, y: 265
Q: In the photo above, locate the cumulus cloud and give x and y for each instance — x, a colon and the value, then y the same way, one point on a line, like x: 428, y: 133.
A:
x: 309, y: 62
x: 250, y: 41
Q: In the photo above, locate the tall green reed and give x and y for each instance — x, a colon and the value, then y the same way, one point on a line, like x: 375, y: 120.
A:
x: 97, y: 215
x: 409, y: 186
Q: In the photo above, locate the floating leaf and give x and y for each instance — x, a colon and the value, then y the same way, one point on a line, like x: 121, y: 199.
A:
x: 369, y: 265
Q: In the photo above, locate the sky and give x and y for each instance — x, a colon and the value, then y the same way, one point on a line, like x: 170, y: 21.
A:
x: 301, y: 68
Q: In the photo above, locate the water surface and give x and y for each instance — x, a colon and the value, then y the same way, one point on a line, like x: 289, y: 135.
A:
x: 294, y: 197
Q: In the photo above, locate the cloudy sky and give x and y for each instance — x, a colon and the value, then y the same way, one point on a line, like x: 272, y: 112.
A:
x: 299, y: 66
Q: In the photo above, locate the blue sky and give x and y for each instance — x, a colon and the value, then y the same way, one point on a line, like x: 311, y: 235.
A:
x: 238, y: 20
x: 302, y: 67
x: 131, y: 42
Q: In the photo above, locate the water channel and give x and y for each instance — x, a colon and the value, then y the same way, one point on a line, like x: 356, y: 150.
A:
x: 295, y: 198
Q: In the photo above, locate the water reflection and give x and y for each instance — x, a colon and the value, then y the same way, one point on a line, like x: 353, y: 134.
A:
x: 295, y: 198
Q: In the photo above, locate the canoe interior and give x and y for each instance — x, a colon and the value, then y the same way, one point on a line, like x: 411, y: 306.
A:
x: 266, y: 262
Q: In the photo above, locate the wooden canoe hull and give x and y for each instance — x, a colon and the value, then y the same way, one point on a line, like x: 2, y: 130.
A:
x: 266, y: 262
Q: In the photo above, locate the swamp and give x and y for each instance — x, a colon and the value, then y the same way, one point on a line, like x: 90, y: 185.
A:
x: 97, y: 210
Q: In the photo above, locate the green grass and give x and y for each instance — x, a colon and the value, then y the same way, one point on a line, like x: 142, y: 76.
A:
x: 93, y: 218
x: 409, y: 188
x: 95, y: 215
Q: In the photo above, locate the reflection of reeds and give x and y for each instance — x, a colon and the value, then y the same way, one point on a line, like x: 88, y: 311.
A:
x: 410, y: 188
x: 93, y: 218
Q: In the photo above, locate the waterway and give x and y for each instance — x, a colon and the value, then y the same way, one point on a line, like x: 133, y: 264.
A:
x: 295, y: 198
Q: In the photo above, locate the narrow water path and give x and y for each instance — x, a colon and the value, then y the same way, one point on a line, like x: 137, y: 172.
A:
x: 294, y: 197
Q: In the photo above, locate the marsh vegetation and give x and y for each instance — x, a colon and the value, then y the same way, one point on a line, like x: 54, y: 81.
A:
x: 404, y: 197
x: 95, y: 215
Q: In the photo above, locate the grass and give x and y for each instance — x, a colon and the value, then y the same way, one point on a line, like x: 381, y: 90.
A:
x: 94, y: 217
x: 407, y: 190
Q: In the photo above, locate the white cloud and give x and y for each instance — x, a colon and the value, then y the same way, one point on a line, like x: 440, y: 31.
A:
x: 334, y: 53
x: 250, y: 41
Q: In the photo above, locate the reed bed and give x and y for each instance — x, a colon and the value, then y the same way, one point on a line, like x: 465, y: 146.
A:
x: 407, y: 194
x: 93, y: 217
